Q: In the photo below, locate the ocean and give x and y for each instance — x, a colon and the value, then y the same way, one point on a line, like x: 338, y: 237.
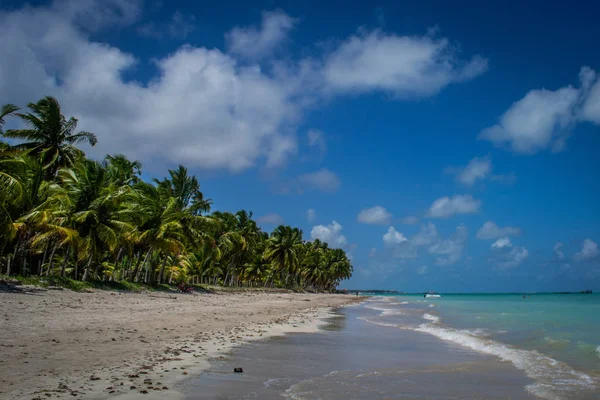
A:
x: 460, y: 346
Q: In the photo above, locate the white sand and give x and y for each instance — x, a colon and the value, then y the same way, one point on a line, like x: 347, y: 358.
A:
x: 106, y: 344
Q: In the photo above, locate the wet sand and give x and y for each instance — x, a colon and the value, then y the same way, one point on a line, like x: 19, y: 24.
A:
x: 353, y: 359
x: 107, y: 344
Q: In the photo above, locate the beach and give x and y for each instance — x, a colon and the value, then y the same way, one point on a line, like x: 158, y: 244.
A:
x: 102, y: 344
x: 473, y: 346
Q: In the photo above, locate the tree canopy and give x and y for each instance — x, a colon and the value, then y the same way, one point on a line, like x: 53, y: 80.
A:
x: 64, y: 214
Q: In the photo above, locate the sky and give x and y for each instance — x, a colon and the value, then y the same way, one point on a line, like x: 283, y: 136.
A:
x: 449, y: 147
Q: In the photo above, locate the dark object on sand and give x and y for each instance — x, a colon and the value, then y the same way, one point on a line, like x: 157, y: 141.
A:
x: 238, y: 370
x: 185, y: 288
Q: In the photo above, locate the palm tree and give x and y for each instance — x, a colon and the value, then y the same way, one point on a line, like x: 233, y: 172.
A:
x: 98, y: 210
x: 284, y: 249
x: 160, y: 225
x: 121, y: 171
x: 186, y: 190
x: 51, y: 137
x: 5, y: 111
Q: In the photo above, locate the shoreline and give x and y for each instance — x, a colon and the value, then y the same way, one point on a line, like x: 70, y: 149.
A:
x: 136, y: 345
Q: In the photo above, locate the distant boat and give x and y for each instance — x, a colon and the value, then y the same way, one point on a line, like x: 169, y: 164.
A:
x: 431, y: 294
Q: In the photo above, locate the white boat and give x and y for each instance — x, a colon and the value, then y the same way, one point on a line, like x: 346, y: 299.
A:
x: 432, y: 295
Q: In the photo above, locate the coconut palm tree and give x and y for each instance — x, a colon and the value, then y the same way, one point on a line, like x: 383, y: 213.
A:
x: 50, y: 136
x: 6, y: 110
x: 121, y: 171
x: 185, y: 189
x: 97, y: 209
x: 284, y: 250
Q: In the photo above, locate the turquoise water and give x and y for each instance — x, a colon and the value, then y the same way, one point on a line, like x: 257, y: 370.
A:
x: 563, y: 326
x: 458, y: 347
x: 553, y: 338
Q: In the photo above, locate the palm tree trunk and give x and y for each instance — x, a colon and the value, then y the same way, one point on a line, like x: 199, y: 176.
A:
x: 51, y: 262
x: 162, y: 269
x: 86, y: 271
x: 8, y: 266
x: 112, y: 276
x: 137, y: 267
x: 43, y: 260
x: 64, y: 264
x: 76, y: 273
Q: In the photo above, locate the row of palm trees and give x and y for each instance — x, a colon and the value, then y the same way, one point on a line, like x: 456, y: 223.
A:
x: 64, y: 214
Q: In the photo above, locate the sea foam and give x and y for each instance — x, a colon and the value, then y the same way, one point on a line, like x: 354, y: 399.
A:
x: 554, y: 379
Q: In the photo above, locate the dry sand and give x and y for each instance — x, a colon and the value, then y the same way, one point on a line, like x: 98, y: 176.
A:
x: 134, y: 345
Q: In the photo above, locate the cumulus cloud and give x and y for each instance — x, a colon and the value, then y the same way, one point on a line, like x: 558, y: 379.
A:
x: 393, y: 237
x: 489, y: 230
x: 375, y: 216
x: 407, y: 66
x: 543, y: 118
x: 502, y: 243
x: 558, y: 252
x: 253, y: 43
x: 422, y: 270
x: 478, y: 168
x: 410, y: 220
x: 446, y: 207
x: 323, y: 180
x: 274, y: 219
x: 449, y: 251
x: 589, y: 251
x: 311, y: 214
x: 331, y: 234
x: 426, y: 235
x: 514, y: 257
x: 201, y: 108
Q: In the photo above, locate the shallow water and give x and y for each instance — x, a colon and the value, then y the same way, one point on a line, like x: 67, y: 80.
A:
x: 408, y: 347
x: 361, y: 354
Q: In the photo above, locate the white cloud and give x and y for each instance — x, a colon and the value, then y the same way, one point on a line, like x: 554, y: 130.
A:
x: 427, y: 235
x: 311, y: 215
x: 410, y: 220
x: 478, y: 168
x: 422, y: 270
x: 331, y: 234
x: 178, y: 27
x: 393, y: 237
x: 375, y: 216
x: 502, y: 243
x: 201, y: 110
x: 323, y: 180
x: 407, y: 66
x: 206, y: 108
x: 543, y: 118
x: 253, y: 44
x: 446, y: 207
x: 558, y: 252
x: 316, y: 139
x: 512, y: 258
x: 274, y: 219
x: 489, y: 230
x: 449, y: 251
x: 589, y: 251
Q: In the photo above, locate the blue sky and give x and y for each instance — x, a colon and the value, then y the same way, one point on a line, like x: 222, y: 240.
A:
x: 480, y: 122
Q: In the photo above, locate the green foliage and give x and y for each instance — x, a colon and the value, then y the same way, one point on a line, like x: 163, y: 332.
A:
x: 69, y: 221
